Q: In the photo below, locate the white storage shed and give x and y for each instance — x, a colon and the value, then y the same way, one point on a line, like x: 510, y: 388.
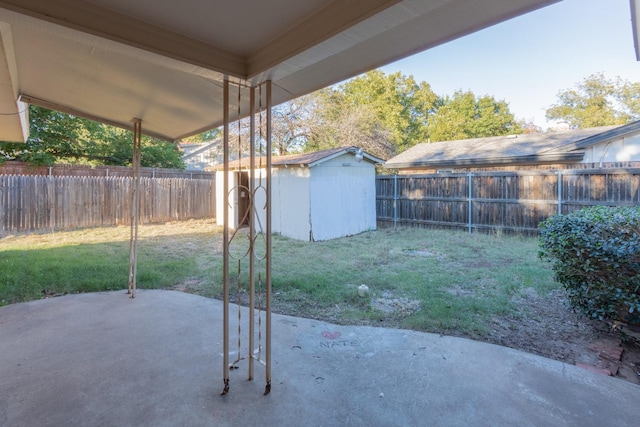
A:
x: 315, y: 196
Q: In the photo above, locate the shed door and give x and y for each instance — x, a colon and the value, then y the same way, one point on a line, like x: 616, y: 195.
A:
x: 243, y: 198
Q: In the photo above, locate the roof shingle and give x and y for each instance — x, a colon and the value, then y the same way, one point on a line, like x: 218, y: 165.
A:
x: 537, y: 147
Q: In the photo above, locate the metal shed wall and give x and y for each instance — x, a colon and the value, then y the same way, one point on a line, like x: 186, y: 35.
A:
x: 342, y: 197
x: 331, y: 199
x: 290, y: 205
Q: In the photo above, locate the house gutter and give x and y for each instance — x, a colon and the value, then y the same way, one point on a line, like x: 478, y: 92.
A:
x: 635, y: 17
x: 496, y: 161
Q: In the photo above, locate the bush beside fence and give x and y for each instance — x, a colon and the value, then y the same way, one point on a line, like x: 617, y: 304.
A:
x: 512, y: 201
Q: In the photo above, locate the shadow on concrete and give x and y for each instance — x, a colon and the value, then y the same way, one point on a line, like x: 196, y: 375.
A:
x: 104, y: 359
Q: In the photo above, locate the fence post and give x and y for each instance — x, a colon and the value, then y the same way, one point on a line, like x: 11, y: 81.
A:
x: 470, y: 201
x: 395, y: 201
x: 559, y: 192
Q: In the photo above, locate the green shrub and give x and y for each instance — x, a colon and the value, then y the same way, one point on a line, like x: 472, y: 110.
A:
x: 595, y: 255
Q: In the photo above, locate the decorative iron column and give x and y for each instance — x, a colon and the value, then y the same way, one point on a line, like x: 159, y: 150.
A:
x: 248, y: 248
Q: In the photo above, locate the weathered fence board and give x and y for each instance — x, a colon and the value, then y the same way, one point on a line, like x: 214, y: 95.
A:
x: 38, y: 202
x: 514, y: 200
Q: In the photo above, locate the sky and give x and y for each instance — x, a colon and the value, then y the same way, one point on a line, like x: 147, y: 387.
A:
x: 528, y: 60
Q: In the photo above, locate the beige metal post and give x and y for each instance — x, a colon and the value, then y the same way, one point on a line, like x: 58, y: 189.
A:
x: 135, y: 207
x: 225, y: 241
x: 252, y: 225
x: 267, y: 344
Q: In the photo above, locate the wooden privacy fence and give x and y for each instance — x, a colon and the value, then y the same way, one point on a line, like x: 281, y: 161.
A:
x: 36, y: 202
x: 514, y: 201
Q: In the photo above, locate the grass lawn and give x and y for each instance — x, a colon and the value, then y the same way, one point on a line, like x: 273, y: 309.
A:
x: 429, y: 280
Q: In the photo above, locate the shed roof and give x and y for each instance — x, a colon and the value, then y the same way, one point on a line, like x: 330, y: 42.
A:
x: 550, y: 147
x: 164, y: 62
x: 302, y: 160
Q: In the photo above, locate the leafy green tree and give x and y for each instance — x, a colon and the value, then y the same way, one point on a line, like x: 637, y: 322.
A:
x: 400, y: 105
x: 464, y: 116
x: 337, y: 122
x: 597, y: 101
x: 629, y: 98
x: 207, y: 136
x: 384, y: 114
x: 57, y: 137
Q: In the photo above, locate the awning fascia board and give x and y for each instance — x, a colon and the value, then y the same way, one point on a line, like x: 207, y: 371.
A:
x: 14, y: 117
x: 93, y: 19
x: 339, y: 15
x: 68, y: 110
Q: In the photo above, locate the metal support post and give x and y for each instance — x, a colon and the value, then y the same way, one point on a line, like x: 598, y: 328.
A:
x: 470, y: 219
x: 268, y: 246
x: 225, y: 241
x: 135, y: 207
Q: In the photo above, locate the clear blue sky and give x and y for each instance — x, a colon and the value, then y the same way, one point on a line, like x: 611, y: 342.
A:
x: 527, y: 60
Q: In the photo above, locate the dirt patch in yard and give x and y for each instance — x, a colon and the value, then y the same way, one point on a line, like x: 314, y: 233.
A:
x: 549, y: 328
x: 389, y: 304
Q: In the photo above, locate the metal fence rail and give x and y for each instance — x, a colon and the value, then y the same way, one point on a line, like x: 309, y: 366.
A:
x: 514, y: 201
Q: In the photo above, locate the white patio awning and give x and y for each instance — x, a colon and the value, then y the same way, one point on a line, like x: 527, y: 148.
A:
x: 164, y: 61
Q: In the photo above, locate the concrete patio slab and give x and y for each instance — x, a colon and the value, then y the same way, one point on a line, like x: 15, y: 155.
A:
x: 104, y: 359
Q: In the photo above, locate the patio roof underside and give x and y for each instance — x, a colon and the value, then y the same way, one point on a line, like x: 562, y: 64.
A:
x: 165, y: 61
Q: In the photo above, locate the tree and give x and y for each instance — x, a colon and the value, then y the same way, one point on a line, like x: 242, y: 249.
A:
x: 399, y: 105
x: 384, y: 114
x: 57, y: 137
x: 464, y: 116
x: 207, y: 136
x: 528, y: 126
x: 597, y: 101
x: 292, y: 125
x: 629, y: 98
x: 336, y: 122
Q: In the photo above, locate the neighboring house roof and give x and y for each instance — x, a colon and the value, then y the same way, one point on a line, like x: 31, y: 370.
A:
x: 302, y: 160
x: 615, y: 132
x: 550, y: 147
